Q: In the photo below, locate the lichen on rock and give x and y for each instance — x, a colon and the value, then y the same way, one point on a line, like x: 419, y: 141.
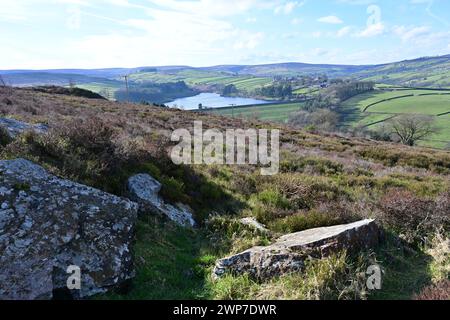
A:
x: 48, y: 224
x: 289, y: 252
x: 144, y: 189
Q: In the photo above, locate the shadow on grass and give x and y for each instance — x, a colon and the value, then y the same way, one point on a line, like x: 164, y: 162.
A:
x: 406, y: 270
x: 170, y: 265
x: 167, y: 263
x: 350, y: 115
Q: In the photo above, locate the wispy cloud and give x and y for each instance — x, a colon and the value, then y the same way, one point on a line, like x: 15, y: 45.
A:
x: 430, y: 12
x: 372, y: 30
x: 14, y: 11
x: 344, y: 31
x: 108, y: 33
x: 214, y: 8
x: 410, y: 33
x: 288, y: 7
x: 331, y: 20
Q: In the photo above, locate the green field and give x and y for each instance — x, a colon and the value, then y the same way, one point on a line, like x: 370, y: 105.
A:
x: 372, y: 109
x: 423, y: 72
x: 273, y: 112
x: 430, y: 105
x: 369, y: 110
x: 442, y: 138
x: 106, y: 89
x: 385, y: 105
x: 307, y: 91
x: 199, y: 78
x: 190, y: 77
x: 364, y: 101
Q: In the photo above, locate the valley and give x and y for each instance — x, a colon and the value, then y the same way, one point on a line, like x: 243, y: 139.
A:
x: 325, y: 180
x: 409, y: 87
x: 224, y: 158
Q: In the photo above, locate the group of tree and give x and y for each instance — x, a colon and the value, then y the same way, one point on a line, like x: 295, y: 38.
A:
x: 337, y: 92
x: 302, y: 81
x: 321, y: 101
x: 344, y: 90
x: 230, y: 90
x: 318, y: 113
x: 318, y: 120
x: 277, y: 90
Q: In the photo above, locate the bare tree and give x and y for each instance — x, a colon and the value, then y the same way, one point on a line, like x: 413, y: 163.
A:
x: 321, y: 119
x: 410, y: 128
x: 72, y: 83
x: 126, y: 77
x: 5, y: 84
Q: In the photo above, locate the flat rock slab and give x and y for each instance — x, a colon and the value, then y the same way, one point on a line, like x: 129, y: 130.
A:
x: 289, y: 252
x: 48, y: 224
x: 15, y: 127
x: 144, y: 189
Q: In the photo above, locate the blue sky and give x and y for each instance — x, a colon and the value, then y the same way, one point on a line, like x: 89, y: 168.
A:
x: 37, y: 34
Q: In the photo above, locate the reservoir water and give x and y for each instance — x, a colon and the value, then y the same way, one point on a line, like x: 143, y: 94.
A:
x: 212, y: 100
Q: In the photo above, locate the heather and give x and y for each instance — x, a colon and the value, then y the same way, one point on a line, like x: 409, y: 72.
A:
x: 324, y: 180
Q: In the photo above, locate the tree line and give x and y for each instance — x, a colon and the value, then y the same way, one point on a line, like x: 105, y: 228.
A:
x: 318, y: 113
x: 154, y: 92
x: 279, y: 90
x: 338, y: 92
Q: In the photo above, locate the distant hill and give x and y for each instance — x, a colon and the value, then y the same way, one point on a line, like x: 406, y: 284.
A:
x: 291, y: 69
x: 51, y: 77
x: 421, y: 72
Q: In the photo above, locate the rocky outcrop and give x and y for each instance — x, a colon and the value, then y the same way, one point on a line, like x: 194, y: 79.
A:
x: 144, y: 189
x: 253, y: 223
x: 15, y: 127
x: 289, y: 252
x: 48, y: 224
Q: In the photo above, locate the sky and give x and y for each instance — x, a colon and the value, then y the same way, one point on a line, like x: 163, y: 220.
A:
x: 50, y: 34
